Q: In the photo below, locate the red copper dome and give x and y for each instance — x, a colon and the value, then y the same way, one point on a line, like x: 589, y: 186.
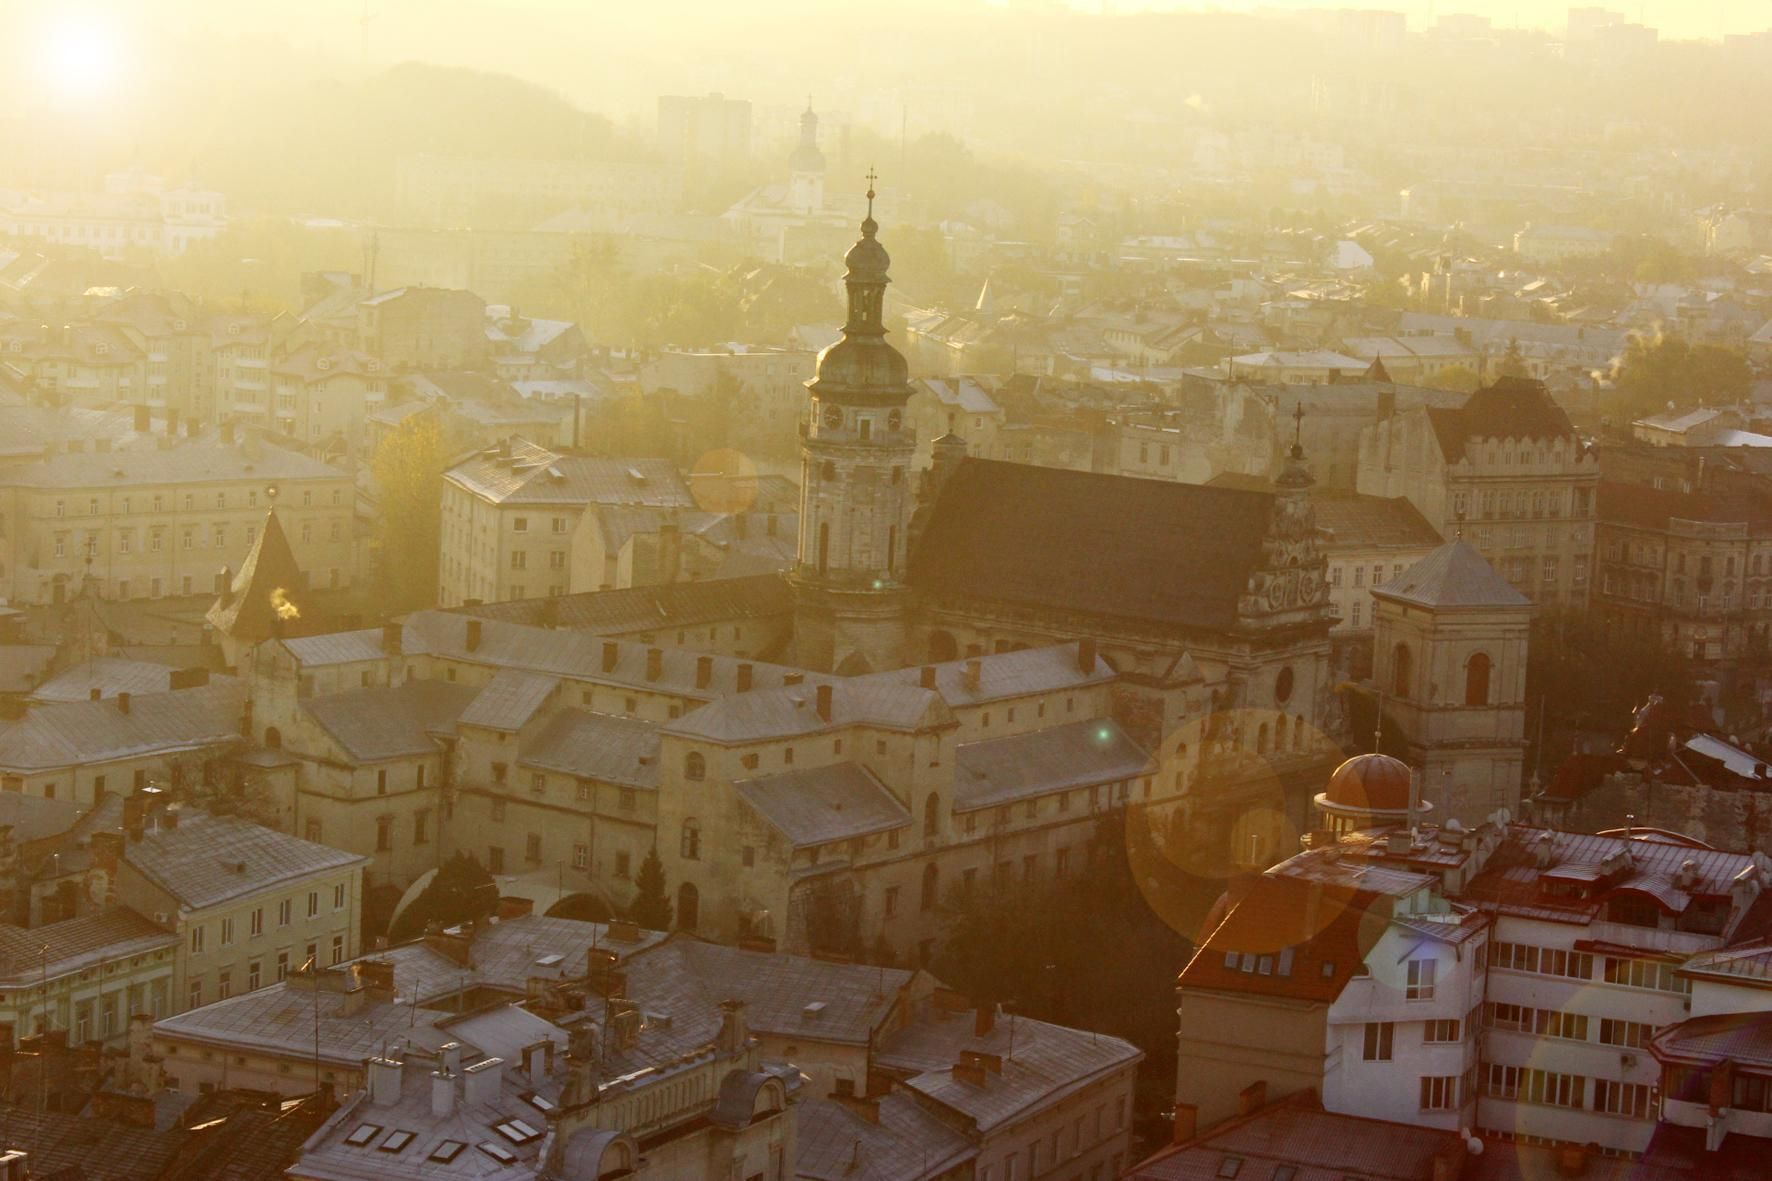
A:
x: 1370, y: 783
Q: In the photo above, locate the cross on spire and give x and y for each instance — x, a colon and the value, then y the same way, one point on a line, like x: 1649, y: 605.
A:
x: 872, y: 177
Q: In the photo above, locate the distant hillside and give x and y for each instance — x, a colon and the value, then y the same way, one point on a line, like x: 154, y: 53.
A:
x: 326, y: 146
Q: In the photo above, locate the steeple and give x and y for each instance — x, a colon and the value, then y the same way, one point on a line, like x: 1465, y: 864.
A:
x: 857, y: 449
x: 806, y: 168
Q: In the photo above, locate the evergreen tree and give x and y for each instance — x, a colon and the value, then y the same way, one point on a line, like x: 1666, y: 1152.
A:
x: 651, y: 907
x: 462, y: 891
x: 1513, y: 362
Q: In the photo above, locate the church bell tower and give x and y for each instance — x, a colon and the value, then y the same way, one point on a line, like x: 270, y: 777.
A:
x: 857, y: 447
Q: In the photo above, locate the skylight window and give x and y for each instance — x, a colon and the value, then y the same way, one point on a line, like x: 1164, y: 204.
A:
x: 497, y: 1152
x: 516, y: 1131
x: 397, y: 1140
x: 446, y: 1151
x: 1229, y: 1167
x: 548, y: 961
x: 363, y: 1135
x: 539, y: 1102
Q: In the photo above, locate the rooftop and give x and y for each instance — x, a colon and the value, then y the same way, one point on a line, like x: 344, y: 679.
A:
x: 204, y: 860
x: 818, y: 805
x: 1454, y: 575
x: 61, y: 734
x: 1039, y: 762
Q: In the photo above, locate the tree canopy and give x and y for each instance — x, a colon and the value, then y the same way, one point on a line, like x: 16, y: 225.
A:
x: 1658, y: 370
x: 462, y: 891
x: 651, y: 907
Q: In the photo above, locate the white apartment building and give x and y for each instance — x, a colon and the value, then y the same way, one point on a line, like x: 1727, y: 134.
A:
x: 132, y: 214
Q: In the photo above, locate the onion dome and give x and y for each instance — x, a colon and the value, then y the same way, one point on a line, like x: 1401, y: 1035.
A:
x: 867, y: 260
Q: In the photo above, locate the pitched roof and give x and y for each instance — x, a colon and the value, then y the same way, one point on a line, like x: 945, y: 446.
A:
x: 1455, y: 575
x: 1512, y: 408
x: 509, y: 700
x: 209, y: 859
x: 269, y: 584
x: 650, y: 608
x: 109, y: 675
x: 1327, y: 928
x: 77, y: 944
x: 596, y: 746
x: 1053, y: 758
x: 524, y: 473
x: 61, y: 734
x: 1176, y: 555
x: 1355, y: 521
x: 818, y: 805
x: 390, y: 722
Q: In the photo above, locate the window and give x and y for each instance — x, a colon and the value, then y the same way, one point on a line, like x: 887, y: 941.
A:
x: 1645, y: 974
x: 538, y: 784
x: 283, y: 913
x: 1476, y: 680
x: 1420, y: 986
x: 338, y: 949
x: 1228, y: 1168
x: 196, y: 994
x: 889, y: 902
x: 252, y: 975
x: 932, y: 814
x: 1439, y: 1092
x: 495, y: 859
x: 224, y: 984
x: 227, y: 931
x: 1378, y: 1041
x: 384, y: 834
x: 581, y: 856
x: 256, y: 924
x: 623, y: 865
x: 1625, y: 1033
x: 421, y: 827
x: 532, y: 847
x: 313, y: 903
x: 282, y: 966
x: 1444, y: 1030
x: 931, y: 887
x: 197, y: 932
x: 1636, y: 1100
x: 689, y: 840
x: 1402, y: 670
x: 695, y: 766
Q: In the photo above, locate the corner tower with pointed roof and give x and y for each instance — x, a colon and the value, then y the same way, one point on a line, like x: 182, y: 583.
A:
x: 1450, y: 660
x: 267, y: 597
x: 857, y: 447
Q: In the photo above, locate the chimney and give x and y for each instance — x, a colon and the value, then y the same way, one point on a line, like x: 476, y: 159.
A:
x: 169, y: 819
x: 473, y: 640
x: 1187, y: 1122
x: 95, y: 694
x: 107, y: 851
x: 391, y: 638
x: 734, y: 1033
x: 744, y: 677
x: 1086, y: 655
x: 771, y: 525
x: 483, y: 1082
x: 926, y: 678
x: 984, y: 1019
x: 510, y: 906
x: 1252, y: 1098
x: 611, y: 653
x: 449, y: 1055
x: 376, y: 977
x: 123, y: 703
x: 974, y: 674
x: 384, y: 1082
x: 969, y: 1072
x: 14, y: 1165
x: 824, y: 703
x: 654, y: 663
x: 704, y: 671
x: 135, y: 809
x: 442, y: 1094
x: 143, y: 423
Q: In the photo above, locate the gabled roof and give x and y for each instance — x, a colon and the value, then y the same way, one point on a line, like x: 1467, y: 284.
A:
x: 208, y: 859
x: 63, y: 734
x: 1053, y: 758
x: 1512, y: 408
x: 1326, y: 928
x: 648, y: 608
x: 509, y: 699
x: 1176, y: 555
x: 270, y: 581
x: 818, y: 805
x: 596, y: 746
x: 1455, y: 575
x: 398, y: 721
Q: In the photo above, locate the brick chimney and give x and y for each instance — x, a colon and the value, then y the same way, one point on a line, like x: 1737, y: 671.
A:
x: 704, y: 671
x: 611, y: 653
x: 824, y: 702
x: 391, y: 638
x: 974, y: 674
x: 123, y: 703
x: 107, y: 850
x: 1187, y: 1123
x: 984, y: 1019
x: 1086, y: 655
x: 1252, y: 1098
x: 926, y: 677
x: 473, y: 638
x: 143, y: 421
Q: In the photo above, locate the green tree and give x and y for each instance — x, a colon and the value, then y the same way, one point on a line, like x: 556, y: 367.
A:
x: 462, y: 891
x: 1657, y: 370
x: 1587, y: 676
x: 651, y: 907
x: 1461, y: 378
x: 1513, y: 362
x: 407, y: 468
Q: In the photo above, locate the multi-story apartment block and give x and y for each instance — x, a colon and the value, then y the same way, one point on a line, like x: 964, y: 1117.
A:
x: 1692, y: 568
x: 151, y: 513
x: 1506, y: 471
x: 86, y: 364
x: 509, y: 514
x: 133, y: 213
x: 322, y: 396
x: 1369, y: 542
x: 423, y: 328
x: 87, y: 976
x: 760, y: 392
x: 249, y: 904
x: 1501, y: 977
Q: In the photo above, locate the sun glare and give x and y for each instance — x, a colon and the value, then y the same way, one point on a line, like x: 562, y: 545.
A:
x: 80, y: 59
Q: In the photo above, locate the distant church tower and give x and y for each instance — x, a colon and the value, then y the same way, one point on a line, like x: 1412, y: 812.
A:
x: 856, y: 490
x: 1449, y: 657
x: 806, y: 168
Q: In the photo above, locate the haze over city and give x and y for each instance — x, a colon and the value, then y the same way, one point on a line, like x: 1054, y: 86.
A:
x: 926, y: 591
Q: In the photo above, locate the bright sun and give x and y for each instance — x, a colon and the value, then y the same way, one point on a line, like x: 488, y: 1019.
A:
x: 80, y: 59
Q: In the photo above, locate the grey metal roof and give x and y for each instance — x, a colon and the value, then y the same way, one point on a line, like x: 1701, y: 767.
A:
x: 31, y: 818
x: 60, y: 734
x: 784, y: 712
x: 650, y: 608
x: 1055, y: 758
x: 110, y: 675
x: 391, y: 722
x: 596, y: 746
x: 141, y: 459
x: 1007, y: 674
x: 818, y: 805
x: 346, y: 647
x: 1455, y: 575
x: 834, y: 1143
x: 210, y: 859
x: 509, y: 700
x: 1042, y: 1063
x: 532, y: 474
x: 75, y: 945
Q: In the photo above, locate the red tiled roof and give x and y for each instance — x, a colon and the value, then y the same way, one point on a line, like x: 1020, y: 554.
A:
x: 1328, y: 929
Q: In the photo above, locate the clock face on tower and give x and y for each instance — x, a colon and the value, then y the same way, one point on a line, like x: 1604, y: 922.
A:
x: 833, y: 417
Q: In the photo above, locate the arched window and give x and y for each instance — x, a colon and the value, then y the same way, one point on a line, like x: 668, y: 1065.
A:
x: 932, y: 814
x: 695, y: 766
x: 1402, y: 670
x: 931, y: 886
x: 1297, y: 733
x: 1476, y: 680
x: 689, y: 843
x: 273, y: 738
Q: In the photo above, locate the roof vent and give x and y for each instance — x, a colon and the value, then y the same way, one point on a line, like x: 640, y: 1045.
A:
x: 813, y: 1010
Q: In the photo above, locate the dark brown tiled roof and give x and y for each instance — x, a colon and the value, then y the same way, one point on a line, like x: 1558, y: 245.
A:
x: 1645, y: 507
x: 1171, y: 554
x: 1354, y: 520
x: 247, y: 612
x: 1512, y: 408
x: 1328, y: 928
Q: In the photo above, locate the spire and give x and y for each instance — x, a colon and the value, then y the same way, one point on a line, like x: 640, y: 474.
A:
x: 869, y: 226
